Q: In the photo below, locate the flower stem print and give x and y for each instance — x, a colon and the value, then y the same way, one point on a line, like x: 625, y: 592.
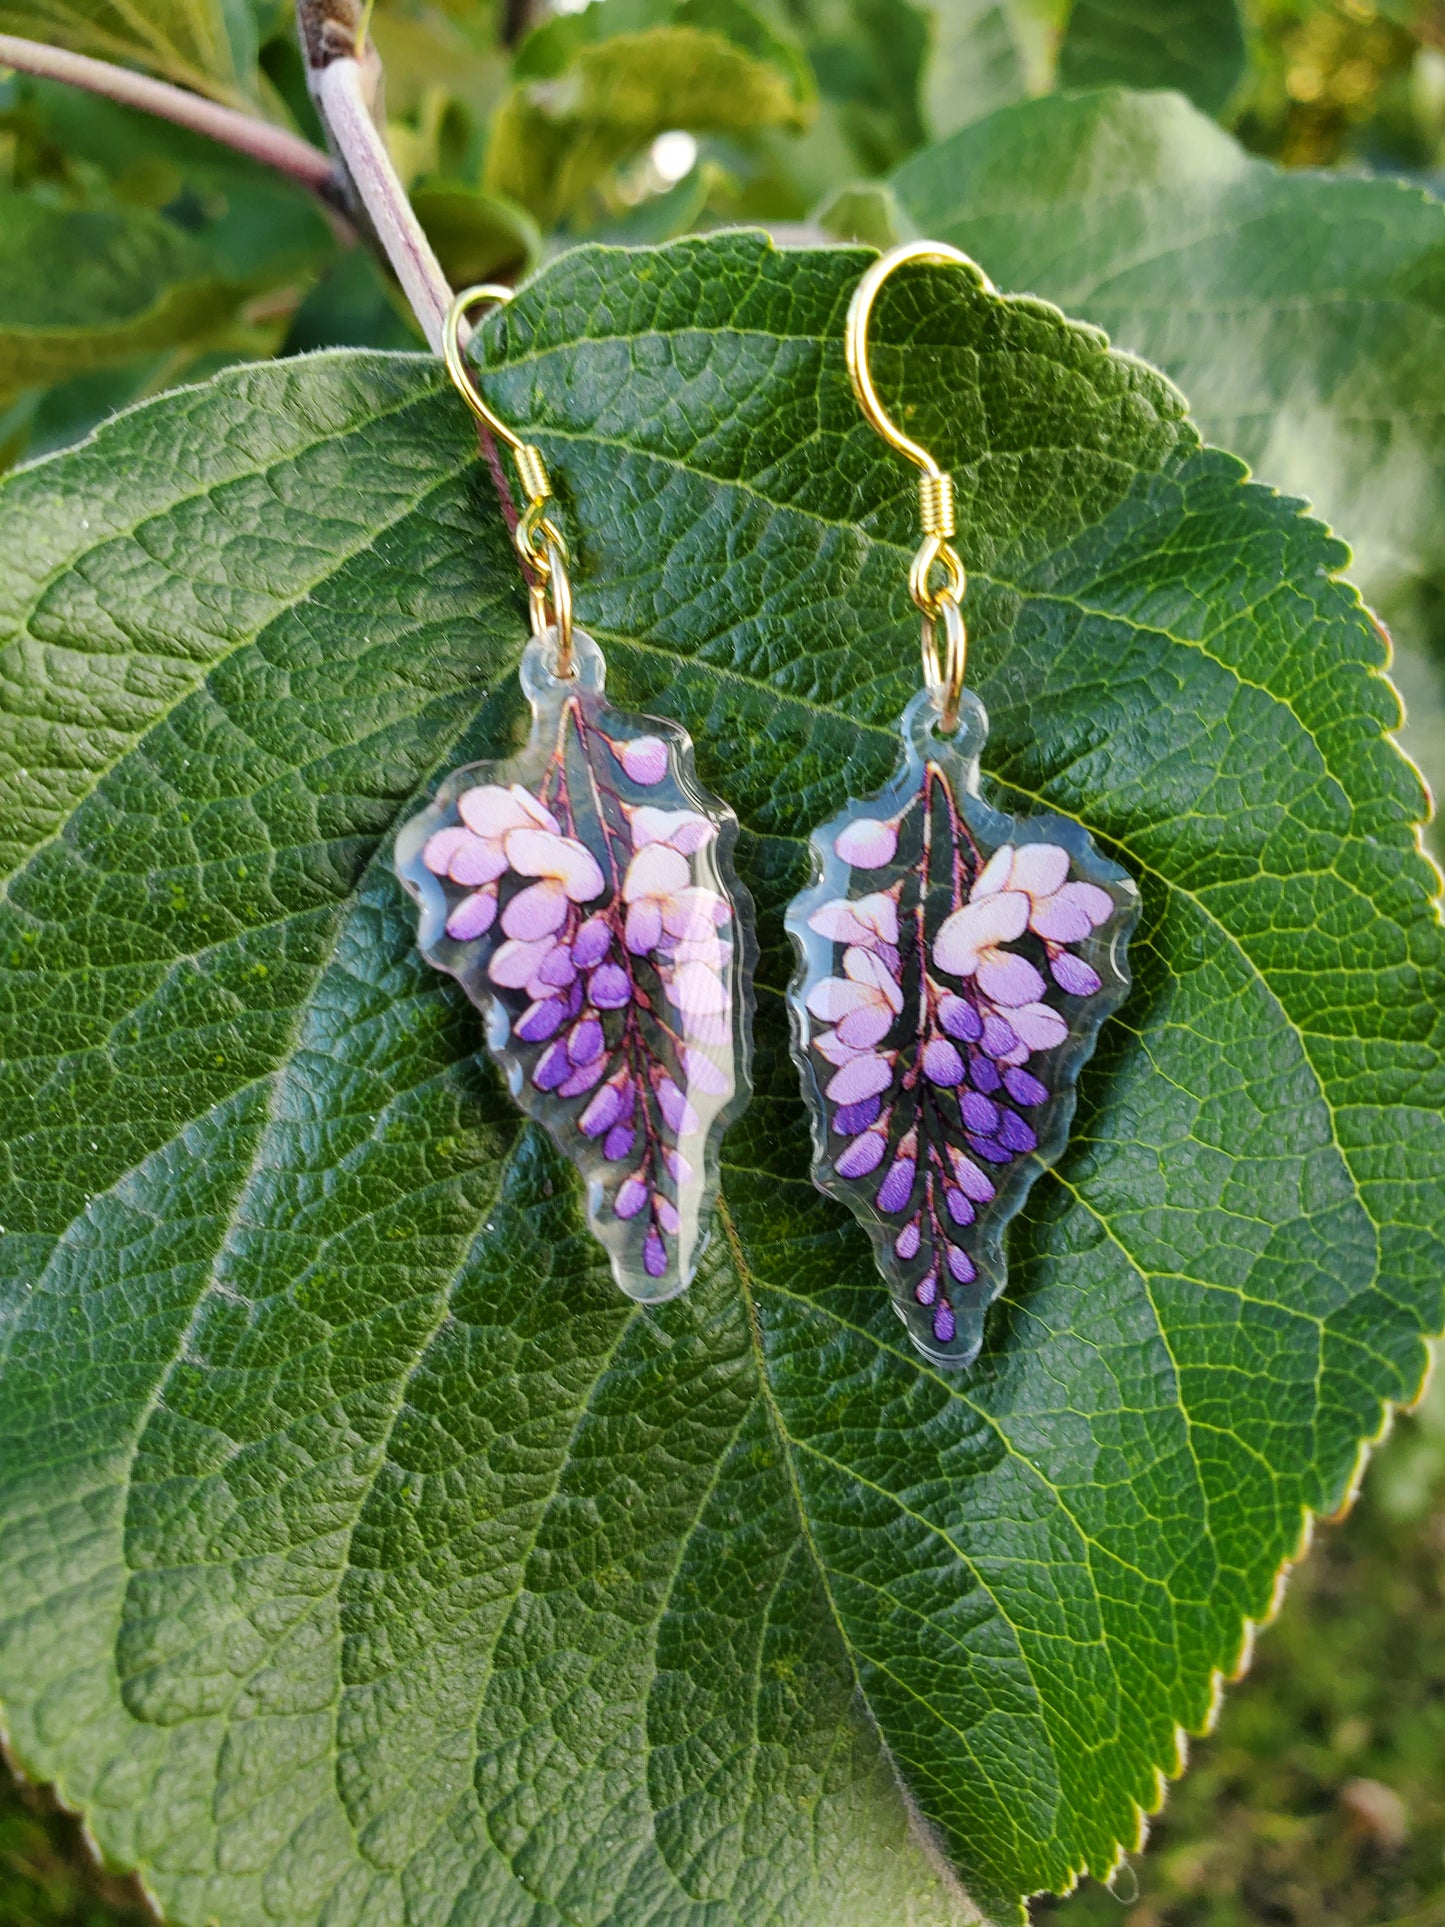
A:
x: 956, y: 966
x: 583, y: 895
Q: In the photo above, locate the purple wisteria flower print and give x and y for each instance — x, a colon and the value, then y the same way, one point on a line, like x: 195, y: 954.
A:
x: 584, y: 897
x: 957, y: 963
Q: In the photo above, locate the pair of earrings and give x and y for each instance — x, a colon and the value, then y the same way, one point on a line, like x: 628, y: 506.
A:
x: 955, y: 962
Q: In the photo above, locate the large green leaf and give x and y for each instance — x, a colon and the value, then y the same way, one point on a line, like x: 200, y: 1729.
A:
x: 1303, y: 314
x: 987, y: 54
x: 366, y: 1557
x: 82, y: 290
x: 1194, y: 45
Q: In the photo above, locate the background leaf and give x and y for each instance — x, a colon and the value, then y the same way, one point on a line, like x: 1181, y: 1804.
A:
x: 1303, y: 313
x: 83, y: 290
x: 364, y: 1552
x: 1196, y: 46
x: 209, y: 45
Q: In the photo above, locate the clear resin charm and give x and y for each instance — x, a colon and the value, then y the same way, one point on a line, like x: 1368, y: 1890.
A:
x: 583, y: 895
x: 956, y: 965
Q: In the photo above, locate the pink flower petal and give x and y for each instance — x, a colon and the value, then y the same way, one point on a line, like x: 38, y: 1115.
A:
x: 866, y: 843
x: 643, y: 929
x: 1040, y: 868
x: 830, y: 1045
x: 644, y: 758
x: 683, y: 830
x: 1069, y: 915
x: 1039, y: 1026
x: 866, y: 968
x: 473, y: 916
x: 973, y: 1182
x: 1009, y: 979
x: 696, y: 990
x: 861, y: 1077
x: 833, y: 998
x: 863, y: 1028
x: 694, y: 912
x: 704, y: 1075
x: 536, y: 911
x: 479, y: 860
x: 540, y: 853
x: 631, y: 1196
x: 515, y: 964
x: 442, y: 847
x: 977, y: 927
x: 995, y: 874
x: 491, y: 810
x: 656, y: 870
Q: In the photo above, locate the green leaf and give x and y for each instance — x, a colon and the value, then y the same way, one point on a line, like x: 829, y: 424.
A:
x: 555, y: 144
x: 1303, y: 314
x: 987, y: 54
x: 209, y: 45
x: 476, y: 236
x: 82, y: 290
x: 366, y: 1557
x: 1196, y: 46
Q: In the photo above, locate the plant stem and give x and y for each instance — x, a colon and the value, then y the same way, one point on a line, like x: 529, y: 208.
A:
x: 340, y: 91
x: 274, y: 146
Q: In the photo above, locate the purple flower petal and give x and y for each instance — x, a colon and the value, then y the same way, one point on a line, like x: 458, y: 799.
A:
x: 991, y: 1149
x: 631, y: 1196
x: 654, y: 1255
x: 677, y: 1165
x: 959, y: 1208
x: 539, y: 1020
x: 585, y: 1041
x: 1008, y: 979
x: 1072, y: 974
x: 926, y: 1290
x: 850, y: 1119
x: 551, y: 1067
x: 983, y: 1073
x: 959, y: 1018
x: 1017, y: 1135
x: 979, y: 1113
x: 477, y: 860
x: 897, y: 1188
x: 536, y: 912
x: 557, y: 967
x: 473, y: 916
x: 942, y: 1063
x: 583, y: 1078
x: 999, y: 1036
x: 961, y: 1265
x: 1023, y: 1087
x: 644, y: 758
x: 971, y: 1181
x: 610, y: 987
x: 866, y: 844
x: 906, y: 1244
x: 863, y: 1155
x: 602, y: 1113
x: 944, y: 1326
x: 590, y: 945
x: 619, y: 1141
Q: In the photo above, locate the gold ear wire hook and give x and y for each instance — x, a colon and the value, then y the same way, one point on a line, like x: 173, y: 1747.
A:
x: 944, y: 679
x: 538, y: 539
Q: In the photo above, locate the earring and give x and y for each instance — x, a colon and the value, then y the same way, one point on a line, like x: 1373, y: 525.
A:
x: 582, y: 893
x: 955, y: 963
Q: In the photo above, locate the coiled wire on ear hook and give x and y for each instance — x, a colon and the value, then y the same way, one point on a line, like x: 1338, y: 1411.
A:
x: 539, y: 541
x: 940, y: 603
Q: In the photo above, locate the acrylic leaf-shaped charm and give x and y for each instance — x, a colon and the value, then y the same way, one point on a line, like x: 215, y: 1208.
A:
x: 583, y: 895
x: 956, y: 964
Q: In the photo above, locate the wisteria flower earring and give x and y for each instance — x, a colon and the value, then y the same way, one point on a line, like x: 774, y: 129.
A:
x: 582, y: 893
x: 956, y: 963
